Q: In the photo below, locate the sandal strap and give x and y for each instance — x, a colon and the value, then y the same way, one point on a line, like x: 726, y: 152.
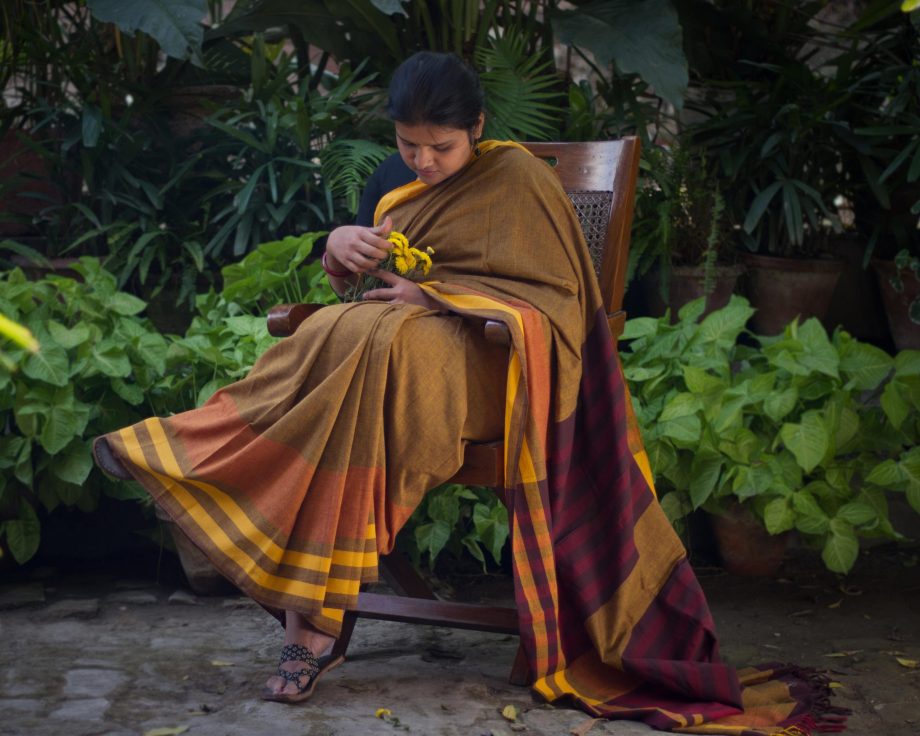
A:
x: 298, y: 653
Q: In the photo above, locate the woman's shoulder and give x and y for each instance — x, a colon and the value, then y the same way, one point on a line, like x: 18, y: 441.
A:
x: 514, y: 160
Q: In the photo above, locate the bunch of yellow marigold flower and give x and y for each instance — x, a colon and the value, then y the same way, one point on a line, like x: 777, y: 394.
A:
x: 403, y: 259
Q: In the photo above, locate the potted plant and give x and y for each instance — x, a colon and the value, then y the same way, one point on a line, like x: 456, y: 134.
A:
x: 805, y: 431
x: 681, y: 245
x: 885, y: 162
x: 773, y: 124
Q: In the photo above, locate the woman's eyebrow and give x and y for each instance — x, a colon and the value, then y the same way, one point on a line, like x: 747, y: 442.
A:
x: 433, y: 145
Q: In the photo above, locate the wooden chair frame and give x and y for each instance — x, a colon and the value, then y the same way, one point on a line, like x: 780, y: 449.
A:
x: 595, y: 174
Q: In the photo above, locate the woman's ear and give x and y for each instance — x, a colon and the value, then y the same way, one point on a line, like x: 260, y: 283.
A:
x: 477, y: 129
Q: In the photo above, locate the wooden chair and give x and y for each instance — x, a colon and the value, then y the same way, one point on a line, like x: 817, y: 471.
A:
x: 600, y: 179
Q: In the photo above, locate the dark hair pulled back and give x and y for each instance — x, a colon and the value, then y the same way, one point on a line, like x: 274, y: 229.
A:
x: 439, y: 89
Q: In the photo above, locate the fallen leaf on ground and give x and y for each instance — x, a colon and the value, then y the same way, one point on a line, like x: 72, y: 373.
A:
x: 848, y: 653
x: 836, y: 605
x: 834, y: 685
x: 221, y: 663
x: 911, y: 664
x: 510, y: 713
x: 382, y: 712
x: 850, y: 590
x: 166, y: 731
x: 583, y: 728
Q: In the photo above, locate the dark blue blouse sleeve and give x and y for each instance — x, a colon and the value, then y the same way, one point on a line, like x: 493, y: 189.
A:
x: 391, y: 173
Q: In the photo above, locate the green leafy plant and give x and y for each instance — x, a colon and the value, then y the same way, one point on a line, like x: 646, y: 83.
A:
x: 102, y: 366
x: 272, y: 145
x: 797, y: 429
x: 458, y: 519
x: 96, y: 370
x: 229, y: 332
x: 679, y: 216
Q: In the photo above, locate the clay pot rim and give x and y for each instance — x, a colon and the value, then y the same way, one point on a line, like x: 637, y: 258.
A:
x: 781, y: 263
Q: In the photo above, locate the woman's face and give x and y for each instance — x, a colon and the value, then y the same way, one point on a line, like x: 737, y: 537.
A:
x: 435, y: 153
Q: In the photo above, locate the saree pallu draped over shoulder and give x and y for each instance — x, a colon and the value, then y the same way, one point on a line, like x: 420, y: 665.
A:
x: 296, y: 478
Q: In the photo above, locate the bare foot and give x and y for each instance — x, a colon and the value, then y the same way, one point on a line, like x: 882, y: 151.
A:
x: 298, y: 631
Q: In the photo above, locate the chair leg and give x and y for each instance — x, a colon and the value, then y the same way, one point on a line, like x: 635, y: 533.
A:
x: 348, y: 628
x: 520, y: 670
x: 403, y: 577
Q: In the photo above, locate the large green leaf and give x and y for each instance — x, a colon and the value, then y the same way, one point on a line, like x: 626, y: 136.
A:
x: 491, y: 524
x: 432, y: 538
x: 681, y: 405
x: 174, y: 24
x: 819, y: 354
x: 841, y: 547
x: 704, y: 475
x: 74, y: 464
x: 893, y: 404
x: 343, y: 28
x: 807, y: 440
x: 780, y: 403
x: 724, y: 325
x: 50, y: 364
x: 866, y: 366
x: 23, y: 534
x: 778, y: 516
x: 639, y: 36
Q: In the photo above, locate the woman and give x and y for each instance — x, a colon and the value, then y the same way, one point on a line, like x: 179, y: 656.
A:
x: 295, y: 479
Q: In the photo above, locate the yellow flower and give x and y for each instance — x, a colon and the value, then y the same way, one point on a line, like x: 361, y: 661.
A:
x: 404, y: 257
x: 382, y: 713
x: 423, y: 260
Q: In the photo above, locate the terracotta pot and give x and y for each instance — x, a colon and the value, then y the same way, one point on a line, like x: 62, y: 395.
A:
x: 906, y: 334
x: 745, y: 546
x: 781, y: 289
x: 686, y: 284
x: 857, y: 302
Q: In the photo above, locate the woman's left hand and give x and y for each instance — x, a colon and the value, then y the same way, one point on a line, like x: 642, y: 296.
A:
x: 399, y: 290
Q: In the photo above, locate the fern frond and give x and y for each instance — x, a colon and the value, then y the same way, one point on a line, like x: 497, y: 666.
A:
x: 523, y: 93
x: 346, y: 165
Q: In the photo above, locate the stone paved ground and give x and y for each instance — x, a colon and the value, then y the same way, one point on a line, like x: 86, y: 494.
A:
x: 104, y: 653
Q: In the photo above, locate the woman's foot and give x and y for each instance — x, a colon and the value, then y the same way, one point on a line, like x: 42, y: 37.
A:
x: 305, y: 657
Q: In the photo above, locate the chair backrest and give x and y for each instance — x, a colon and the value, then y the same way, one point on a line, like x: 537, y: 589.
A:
x: 600, y: 179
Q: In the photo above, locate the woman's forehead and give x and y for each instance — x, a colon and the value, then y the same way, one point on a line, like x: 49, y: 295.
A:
x: 428, y: 135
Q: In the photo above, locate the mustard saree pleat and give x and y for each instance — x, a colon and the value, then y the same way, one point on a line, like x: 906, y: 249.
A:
x: 293, y: 480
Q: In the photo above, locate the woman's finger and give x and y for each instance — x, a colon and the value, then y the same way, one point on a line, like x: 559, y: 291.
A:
x: 388, y: 277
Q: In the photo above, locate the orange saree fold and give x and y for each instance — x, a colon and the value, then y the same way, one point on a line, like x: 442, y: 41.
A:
x: 296, y: 478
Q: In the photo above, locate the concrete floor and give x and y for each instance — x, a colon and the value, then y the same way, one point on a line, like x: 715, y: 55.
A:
x: 100, y: 653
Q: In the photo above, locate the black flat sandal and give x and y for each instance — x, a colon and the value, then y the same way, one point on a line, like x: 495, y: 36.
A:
x: 107, y: 462
x: 315, y: 669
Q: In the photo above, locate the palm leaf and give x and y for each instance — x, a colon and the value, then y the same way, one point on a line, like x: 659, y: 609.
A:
x: 522, y: 91
x: 346, y: 165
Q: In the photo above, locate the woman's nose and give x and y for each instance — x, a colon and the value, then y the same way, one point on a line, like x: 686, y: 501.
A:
x: 423, y: 158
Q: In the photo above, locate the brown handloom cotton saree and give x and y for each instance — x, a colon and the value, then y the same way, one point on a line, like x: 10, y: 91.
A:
x: 296, y: 478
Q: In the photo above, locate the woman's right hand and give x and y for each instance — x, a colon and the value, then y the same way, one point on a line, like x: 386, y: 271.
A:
x: 358, y: 249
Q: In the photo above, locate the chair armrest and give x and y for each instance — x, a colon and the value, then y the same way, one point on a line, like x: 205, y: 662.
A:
x: 496, y: 332
x: 617, y: 323
x: 284, y: 319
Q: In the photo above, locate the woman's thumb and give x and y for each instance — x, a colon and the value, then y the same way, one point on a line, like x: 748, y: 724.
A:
x: 385, y: 227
